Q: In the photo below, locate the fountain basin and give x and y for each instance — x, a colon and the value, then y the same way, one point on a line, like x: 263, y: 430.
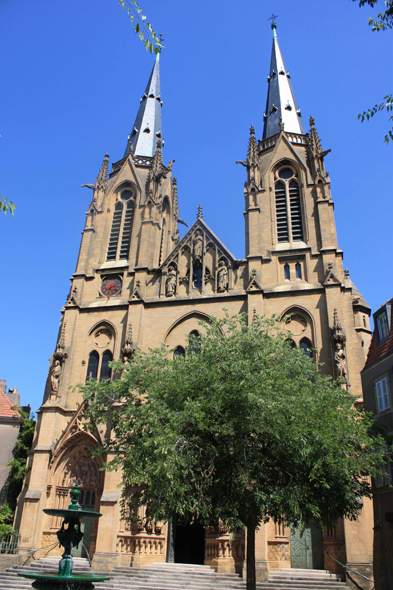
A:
x: 56, y: 582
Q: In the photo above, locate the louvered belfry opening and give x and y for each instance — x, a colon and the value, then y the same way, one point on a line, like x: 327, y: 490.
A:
x: 121, y: 230
x: 127, y: 231
x: 296, y: 212
x: 115, y: 232
x: 288, y: 207
x: 281, y: 213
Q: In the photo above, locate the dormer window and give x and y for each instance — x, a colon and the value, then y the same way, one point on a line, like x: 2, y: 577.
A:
x: 383, y: 326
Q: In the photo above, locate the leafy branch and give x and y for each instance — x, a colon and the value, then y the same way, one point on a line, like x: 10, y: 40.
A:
x: 384, y: 22
x: 385, y: 19
x: 5, y: 205
x: 147, y: 34
x: 388, y: 105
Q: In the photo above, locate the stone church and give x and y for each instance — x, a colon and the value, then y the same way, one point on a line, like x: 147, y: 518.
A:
x: 137, y: 284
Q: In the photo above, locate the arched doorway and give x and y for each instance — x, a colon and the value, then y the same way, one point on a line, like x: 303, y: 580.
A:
x: 72, y: 463
x: 307, y: 546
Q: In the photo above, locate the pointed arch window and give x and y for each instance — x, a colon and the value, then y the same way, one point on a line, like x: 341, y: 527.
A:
x: 92, y: 366
x: 106, y: 371
x: 122, y: 222
x: 306, y: 347
x: 194, y: 342
x: 127, y: 230
x: 115, y: 232
x: 288, y: 207
x: 178, y: 352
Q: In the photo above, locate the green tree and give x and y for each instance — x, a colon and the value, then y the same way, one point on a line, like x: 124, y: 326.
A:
x: 18, y: 471
x: 239, y: 430
x: 383, y: 23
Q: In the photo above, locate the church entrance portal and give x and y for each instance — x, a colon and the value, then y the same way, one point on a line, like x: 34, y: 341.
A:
x: 189, y: 544
x: 307, y: 547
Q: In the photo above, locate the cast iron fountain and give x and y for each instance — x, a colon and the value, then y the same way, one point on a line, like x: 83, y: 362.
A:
x: 68, y: 538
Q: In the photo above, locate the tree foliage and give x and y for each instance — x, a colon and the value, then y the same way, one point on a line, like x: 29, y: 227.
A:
x: 385, y: 19
x: 240, y: 429
x: 142, y: 27
x: 6, y: 205
x: 383, y: 23
x: 18, y: 471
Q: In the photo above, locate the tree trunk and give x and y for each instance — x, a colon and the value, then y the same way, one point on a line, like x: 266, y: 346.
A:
x: 251, y: 553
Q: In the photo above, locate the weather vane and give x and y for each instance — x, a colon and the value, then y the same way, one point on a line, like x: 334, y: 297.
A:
x: 273, y: 19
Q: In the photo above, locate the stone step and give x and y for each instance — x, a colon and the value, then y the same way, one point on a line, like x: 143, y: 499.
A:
x: 162, y: 576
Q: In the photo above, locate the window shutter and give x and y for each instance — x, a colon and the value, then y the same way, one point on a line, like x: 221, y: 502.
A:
x: 281, y: 213
x: 115, y: 231
x: 385, y: 395
x: 379, y: 396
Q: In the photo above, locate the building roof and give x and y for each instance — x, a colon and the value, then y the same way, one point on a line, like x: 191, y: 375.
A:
x: 281, y: 102
x: 147, y: 129
x: 379, y: 350
x: 6, y: 408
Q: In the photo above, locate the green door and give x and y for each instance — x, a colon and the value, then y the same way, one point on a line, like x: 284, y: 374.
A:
x: 307, y: 547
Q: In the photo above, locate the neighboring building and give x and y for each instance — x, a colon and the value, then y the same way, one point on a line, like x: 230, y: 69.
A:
x: 10, y: 421
x: 136, y: 284
x: 377, y: 380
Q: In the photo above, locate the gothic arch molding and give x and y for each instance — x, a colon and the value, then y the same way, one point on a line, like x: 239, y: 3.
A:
x: 199, y: 315
x: 124, y: 185
x: 102, y: 323
x: 309, y: 330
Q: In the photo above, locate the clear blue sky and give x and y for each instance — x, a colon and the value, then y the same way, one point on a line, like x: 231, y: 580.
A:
x: 72, y: 75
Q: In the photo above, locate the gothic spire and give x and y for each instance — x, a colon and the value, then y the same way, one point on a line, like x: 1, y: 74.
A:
x: 281, y: 101
x: 147, y: 129
x: 102, y: 178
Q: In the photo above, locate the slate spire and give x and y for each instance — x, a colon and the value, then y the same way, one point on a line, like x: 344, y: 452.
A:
x: 147, y: 129
x: 281, y: 101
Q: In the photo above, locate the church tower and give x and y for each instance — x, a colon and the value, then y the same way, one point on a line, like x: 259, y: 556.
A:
x: 137, y: 284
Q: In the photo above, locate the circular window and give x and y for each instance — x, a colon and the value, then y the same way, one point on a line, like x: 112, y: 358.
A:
x: 126, y: 195
x: 285, y: 173
x: 102, y: 338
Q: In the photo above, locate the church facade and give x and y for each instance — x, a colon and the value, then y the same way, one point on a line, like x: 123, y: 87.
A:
x: 137, y: 284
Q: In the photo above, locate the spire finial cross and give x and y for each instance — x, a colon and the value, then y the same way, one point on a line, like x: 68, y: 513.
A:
x: 273, y: 19
x: 199, y: 214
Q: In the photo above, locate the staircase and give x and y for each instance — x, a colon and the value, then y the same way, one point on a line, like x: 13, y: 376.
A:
x: 298, y: 579
x: 171, y: 576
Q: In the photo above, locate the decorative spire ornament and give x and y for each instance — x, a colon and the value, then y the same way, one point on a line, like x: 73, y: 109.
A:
x: 281, y: 101
x: 199, y: 214
x: 147, y: 129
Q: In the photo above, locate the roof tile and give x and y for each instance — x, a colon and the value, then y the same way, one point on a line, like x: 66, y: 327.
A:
x: 6, y: 408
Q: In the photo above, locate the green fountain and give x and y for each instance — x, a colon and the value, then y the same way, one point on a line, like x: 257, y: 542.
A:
x: 70, y: 535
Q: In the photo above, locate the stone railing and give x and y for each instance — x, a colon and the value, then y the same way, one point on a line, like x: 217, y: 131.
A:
x: 140, y: 545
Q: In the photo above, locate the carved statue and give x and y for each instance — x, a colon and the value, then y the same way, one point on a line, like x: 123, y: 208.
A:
x: 222, y: 277
x: 340, y: 361
x: 198, y: 247
x: 55, y: 378
x: 171, y: 282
